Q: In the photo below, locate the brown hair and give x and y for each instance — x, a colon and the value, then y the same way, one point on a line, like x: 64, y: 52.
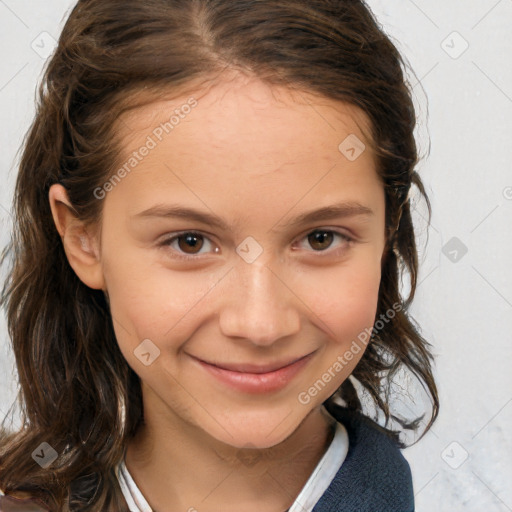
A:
x: 87, y: 405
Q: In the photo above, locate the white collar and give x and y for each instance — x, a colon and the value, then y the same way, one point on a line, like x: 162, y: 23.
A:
x: 322, y: 476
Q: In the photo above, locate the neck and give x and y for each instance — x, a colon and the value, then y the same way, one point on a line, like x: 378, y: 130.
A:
x: 178, y: 466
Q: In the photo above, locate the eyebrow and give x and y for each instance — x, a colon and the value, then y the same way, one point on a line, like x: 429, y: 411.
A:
x: 335, y: 211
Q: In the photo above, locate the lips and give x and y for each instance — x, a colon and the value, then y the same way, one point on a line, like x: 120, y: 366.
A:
x: 255, y: 378
x: 254, y: 368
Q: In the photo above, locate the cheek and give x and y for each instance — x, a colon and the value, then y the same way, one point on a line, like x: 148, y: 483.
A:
x: 346, y: 303
x: 346, y: 300
x: 148, y: 301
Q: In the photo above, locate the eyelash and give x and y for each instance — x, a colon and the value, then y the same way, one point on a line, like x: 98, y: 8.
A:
x: 167, y: 242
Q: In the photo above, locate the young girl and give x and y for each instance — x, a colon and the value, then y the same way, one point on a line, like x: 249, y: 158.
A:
x: 212, y: 219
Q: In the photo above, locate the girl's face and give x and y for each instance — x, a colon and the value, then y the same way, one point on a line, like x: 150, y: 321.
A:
x: 260, y: 280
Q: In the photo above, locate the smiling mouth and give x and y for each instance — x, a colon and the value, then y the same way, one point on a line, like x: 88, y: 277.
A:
x: 253, y: 378
x: 254, y: 368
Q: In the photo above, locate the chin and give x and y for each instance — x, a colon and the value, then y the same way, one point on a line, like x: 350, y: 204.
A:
x: 257, y: 429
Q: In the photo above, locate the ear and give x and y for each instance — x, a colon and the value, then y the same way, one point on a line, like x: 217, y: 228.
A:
x: 81, y: 246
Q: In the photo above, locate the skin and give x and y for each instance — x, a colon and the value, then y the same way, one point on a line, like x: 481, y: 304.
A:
x: 257, y: 156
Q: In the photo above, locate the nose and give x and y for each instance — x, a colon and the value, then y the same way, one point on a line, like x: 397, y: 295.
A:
x: 259, y: 305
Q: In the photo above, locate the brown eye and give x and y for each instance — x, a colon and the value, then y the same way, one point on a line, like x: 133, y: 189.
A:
x: 320, y: 240
x: 327, y: 243
x: 189, y: 243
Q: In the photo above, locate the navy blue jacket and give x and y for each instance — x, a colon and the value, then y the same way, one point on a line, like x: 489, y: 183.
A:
x: 375, y: 477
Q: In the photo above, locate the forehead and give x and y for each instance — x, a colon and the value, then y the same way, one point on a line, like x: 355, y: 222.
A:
x: 241, y: 112
x: 247, y: 140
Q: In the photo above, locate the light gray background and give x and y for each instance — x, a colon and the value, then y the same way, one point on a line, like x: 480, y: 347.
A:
x: 464, y: 300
